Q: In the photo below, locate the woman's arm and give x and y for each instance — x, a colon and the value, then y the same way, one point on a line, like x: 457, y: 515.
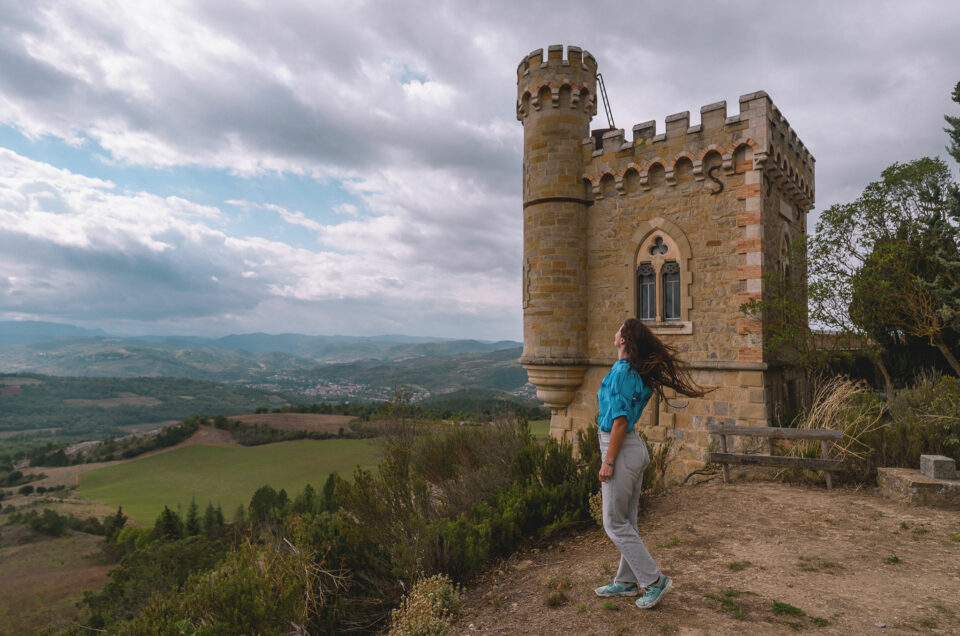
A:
x: 617, y: 433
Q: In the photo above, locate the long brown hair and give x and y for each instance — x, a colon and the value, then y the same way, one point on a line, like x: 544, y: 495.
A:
x: 657, y: 362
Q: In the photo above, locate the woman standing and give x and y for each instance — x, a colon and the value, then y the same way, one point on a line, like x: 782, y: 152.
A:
x: 645, y: 366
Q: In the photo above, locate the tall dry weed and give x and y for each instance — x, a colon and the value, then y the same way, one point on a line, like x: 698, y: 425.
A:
x: 841, y: 404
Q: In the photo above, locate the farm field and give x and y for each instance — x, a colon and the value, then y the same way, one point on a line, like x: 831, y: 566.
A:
x: 41, y: 581
x: 225, y: 475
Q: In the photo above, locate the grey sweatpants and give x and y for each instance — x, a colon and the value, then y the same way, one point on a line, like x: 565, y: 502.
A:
x: 621, y: 499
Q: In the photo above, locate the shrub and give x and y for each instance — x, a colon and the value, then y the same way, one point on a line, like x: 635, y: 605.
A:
x: 429, y: 609
x: 411, y: 518
x: 596, y: 508
x: 51, y: 523
x: 155, y: 571
x: 25, y: 490
x: 925, y: 419
x: 132, y: 537
x: 258, y: 589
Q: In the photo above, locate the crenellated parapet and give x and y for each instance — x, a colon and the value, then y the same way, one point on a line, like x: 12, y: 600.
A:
x: 756, y: 138
x: 557, y: 82
x: 788, y: 162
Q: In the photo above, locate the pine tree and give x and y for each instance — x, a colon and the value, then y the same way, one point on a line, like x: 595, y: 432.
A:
x: 953, y: 130
x: 329, y: 493
x: 209, y: 519
x: 305, y: 501
x: 168, y: 526
x: 113, y: 524
x: 945, y: 233
x: 193, y: 519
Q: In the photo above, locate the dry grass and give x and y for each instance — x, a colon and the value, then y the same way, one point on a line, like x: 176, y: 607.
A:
x: 843, y: 405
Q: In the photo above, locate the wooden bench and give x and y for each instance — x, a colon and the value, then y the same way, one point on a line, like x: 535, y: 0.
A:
x: 773, y: 433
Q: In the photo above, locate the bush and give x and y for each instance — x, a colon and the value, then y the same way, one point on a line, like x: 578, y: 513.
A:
x: 159, y: 569
x: 429, y: 609
x: 925, y: 419
x: 25, y: 490
x: 444, y: 499
x: 257, y: 589
x: 50, y: 523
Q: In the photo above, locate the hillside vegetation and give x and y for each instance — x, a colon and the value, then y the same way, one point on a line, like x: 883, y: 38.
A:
x: 64, y: 410
x: 224, y: 475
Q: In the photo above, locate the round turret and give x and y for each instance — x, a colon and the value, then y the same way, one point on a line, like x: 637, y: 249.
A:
x: 556, y: 99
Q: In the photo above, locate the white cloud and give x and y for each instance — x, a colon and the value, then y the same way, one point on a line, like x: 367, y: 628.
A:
x: 347, y: 209
x: 76, y: 248
x: 409, y: 107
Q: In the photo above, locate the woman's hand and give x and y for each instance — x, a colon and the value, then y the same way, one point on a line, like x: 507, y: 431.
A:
x: 617, y: 433
x: 606, y: 471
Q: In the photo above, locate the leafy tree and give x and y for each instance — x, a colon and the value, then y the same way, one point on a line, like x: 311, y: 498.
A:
x: 945, y: 287
x: 896, y: 213
x: 264, y: 504
x: 785, y: 309
x: 890, y: 296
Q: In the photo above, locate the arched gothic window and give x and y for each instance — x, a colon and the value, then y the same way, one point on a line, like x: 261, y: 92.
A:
x: 658, y: 281
x: 647, y: 296
x: 670, y: 274
x: 661, y: 277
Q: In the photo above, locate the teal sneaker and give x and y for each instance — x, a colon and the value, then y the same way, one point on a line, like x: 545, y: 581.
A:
x: 655, y: 592
x: 618, y: 589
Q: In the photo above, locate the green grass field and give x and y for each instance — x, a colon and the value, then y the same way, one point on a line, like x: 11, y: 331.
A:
x: 225, y: 475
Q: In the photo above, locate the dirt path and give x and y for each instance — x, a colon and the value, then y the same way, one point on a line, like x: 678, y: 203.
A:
x: 843, y: 562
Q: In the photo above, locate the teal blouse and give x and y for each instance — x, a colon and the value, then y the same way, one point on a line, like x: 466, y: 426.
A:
x: 622, y: 393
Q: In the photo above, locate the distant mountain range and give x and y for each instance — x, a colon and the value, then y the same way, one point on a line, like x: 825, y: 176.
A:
x: 330, y: 367
x: 27, y: 331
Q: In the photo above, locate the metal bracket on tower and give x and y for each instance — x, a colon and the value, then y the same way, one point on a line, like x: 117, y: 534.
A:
x: 606, y: 102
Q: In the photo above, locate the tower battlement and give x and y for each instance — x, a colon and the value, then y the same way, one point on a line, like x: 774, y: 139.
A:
x: 576, y: 58
x: 557, y: 82
x: 759, y: 125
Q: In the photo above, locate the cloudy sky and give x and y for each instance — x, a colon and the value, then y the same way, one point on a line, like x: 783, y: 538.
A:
x: 219, y: 166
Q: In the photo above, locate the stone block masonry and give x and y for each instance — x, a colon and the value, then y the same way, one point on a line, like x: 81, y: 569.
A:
x: 938, y: 467
x: 697, y: 213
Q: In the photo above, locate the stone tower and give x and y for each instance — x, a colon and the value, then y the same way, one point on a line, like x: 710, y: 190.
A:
x: 675, y: 228
x: 557, y: 100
